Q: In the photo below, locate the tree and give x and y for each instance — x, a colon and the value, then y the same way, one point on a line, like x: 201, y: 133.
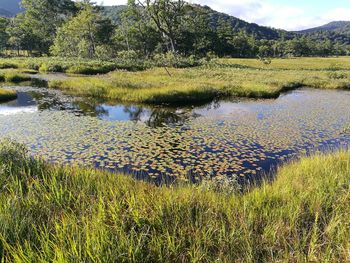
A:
x: 21, y: 36
x: 3, y: 33
x: 43, y: 17
x: 136, y: 31
x: 81, y: 35
x: 166, y: 15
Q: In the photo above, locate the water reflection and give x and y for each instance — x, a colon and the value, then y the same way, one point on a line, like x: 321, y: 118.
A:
x: 226, y: 138
x: 41, y: 99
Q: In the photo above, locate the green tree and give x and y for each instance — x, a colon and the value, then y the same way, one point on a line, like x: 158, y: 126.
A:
x: 21, y: 36
x: 82, y: 35
x: 136, y: 31
x: 43, y: 17
x: 167, y: 16
x: 3, y: 33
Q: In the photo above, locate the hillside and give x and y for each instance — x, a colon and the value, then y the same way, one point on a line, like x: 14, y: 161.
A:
x: 337, y: 31
x: 261, y: 32
x: 332, y: 26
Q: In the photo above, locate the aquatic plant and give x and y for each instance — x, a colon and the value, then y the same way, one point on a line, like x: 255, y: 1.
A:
x: 240, y: 139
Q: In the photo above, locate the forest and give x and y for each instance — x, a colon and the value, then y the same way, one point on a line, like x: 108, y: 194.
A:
x: 151, y: 29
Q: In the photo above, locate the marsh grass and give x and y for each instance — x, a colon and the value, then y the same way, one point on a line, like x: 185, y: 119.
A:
x: 7, y: 95
x: 54, y: 214
x: 200, y: 84
x: 72, y: 66
x: 13, y: 75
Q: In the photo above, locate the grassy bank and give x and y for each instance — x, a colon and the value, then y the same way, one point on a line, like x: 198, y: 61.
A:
x: 221, y: 78
x: 7, y: 95
x: 14, y: 76
x: 74, y: 66
x: 57, y: 214
x: 201, y: 83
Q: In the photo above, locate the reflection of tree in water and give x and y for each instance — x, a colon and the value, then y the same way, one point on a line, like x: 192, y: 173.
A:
x: 157, y: 117
x: 152, y: 116
x: 91, y: 107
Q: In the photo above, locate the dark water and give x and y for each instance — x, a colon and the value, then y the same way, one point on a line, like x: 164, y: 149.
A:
x: 241, y: 138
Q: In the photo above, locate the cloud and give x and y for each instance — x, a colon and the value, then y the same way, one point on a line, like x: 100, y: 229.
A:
x: 264, y: 12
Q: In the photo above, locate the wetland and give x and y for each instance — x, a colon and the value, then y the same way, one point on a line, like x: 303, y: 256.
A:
x: 234, y: 138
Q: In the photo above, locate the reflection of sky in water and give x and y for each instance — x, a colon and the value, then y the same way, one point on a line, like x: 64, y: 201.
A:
x: 23, y: 104
x: 5, y: 110
x: 220, y: 138
x: 123, y: 113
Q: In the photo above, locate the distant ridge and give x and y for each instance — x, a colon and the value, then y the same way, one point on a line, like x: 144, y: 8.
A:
x: 332, y: 26
x: 337, y: 31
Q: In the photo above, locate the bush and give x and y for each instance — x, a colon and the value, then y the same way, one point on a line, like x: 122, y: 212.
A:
x: 51, y: 67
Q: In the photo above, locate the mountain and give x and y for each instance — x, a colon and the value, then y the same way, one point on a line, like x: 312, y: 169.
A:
x: 9, y: 8
x: 260, y: 32
x: 332, y: 26
x: 337, y: 31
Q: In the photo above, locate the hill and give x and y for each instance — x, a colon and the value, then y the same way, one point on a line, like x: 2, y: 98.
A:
x: 337, y: 31
x: 260, y: 32
x: 332, y: 26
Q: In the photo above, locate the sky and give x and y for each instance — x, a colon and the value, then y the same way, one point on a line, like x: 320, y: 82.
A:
x: 283, y: 14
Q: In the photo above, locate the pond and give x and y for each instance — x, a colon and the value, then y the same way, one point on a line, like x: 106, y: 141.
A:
x: 243, y: 138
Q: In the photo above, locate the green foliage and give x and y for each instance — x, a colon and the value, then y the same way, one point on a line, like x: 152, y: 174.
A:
x: 81, y: 36
x: 3, y: 33
x: 68, y: 214
x: 150, y: 28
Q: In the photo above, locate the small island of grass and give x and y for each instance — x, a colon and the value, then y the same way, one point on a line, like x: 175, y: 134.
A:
x: 7, y: 95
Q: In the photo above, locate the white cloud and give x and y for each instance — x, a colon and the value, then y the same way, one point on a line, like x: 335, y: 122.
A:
x: 263, y: 12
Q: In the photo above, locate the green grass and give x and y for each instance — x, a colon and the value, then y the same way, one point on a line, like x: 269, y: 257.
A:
x: 14, y: 76
x: 216, y: 80
x: 314, y: 63
x: 7, y: 95
x: 55, y: 214
x: 72, y: 66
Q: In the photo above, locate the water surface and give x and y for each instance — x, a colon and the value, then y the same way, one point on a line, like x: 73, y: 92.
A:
x: 223, y: 138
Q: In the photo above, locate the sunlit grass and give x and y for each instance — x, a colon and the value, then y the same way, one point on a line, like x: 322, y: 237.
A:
x: 73, y: 66
x: 48, y: 213
x: 13, y: 75
x: 199, y: 84
x: 314, y: 63
x: 7, y: 95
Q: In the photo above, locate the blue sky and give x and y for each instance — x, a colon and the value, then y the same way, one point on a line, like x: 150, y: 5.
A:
x: 285, y: 14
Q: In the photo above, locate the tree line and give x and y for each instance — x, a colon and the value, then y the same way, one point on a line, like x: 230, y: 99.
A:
x: 145, y: 28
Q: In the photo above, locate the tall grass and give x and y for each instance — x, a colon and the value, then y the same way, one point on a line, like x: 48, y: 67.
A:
x: 55, y: 214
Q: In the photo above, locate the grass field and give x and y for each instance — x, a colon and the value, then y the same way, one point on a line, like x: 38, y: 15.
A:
x: 73, y: 66
x: 224, y: 78
x: 53, y: 214
x: 221, y: 78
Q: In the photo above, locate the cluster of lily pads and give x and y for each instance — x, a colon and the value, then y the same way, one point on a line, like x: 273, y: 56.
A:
x: 243, y: 141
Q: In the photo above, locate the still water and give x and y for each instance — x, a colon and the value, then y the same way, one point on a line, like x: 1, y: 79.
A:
x: 224, y: 138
